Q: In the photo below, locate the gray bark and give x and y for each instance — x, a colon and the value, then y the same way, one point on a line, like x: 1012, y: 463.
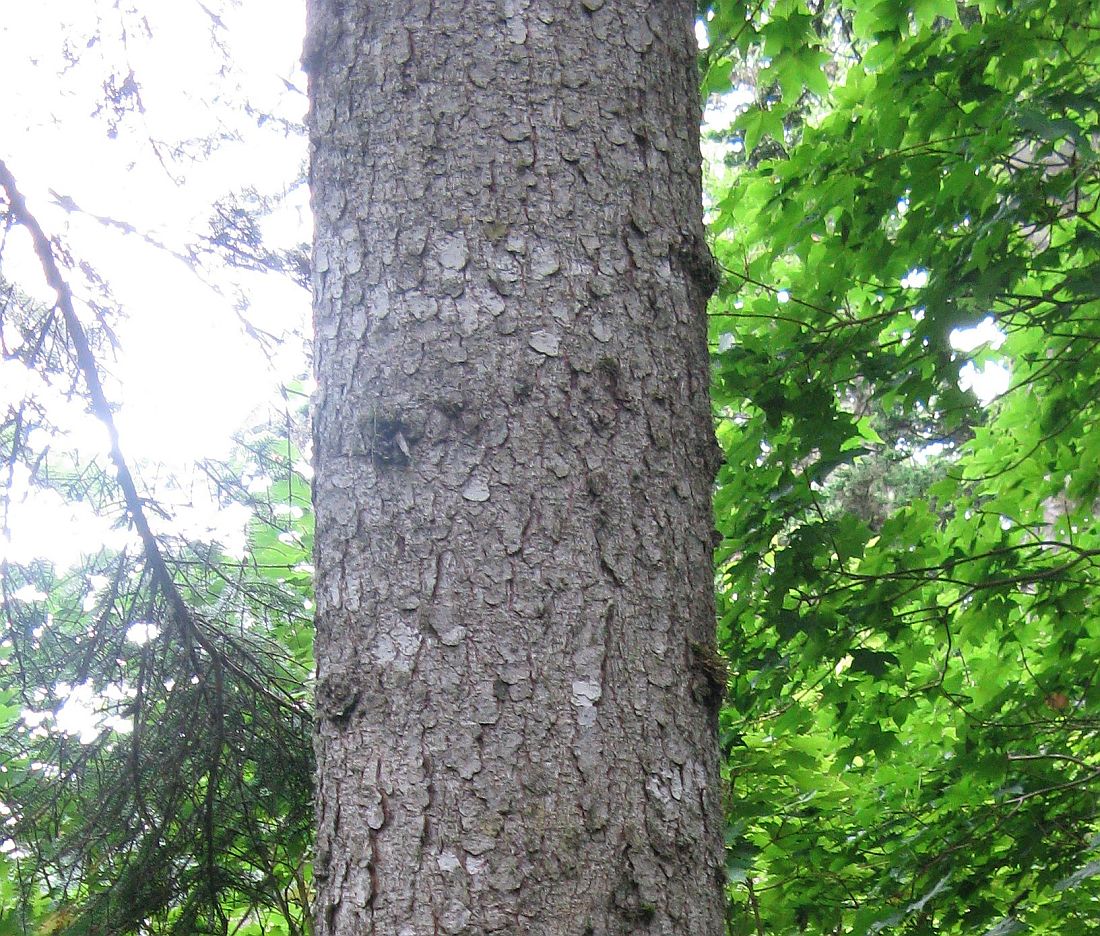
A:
x: 517, y: 689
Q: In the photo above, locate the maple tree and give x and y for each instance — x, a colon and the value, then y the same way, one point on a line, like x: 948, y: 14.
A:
x: 911, y: 729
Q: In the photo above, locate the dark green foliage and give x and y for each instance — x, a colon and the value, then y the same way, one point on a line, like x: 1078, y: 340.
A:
x: 195, y: 814
x: 154, y: 731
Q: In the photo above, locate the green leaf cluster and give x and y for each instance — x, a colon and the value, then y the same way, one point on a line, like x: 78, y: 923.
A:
x: 911, y: 727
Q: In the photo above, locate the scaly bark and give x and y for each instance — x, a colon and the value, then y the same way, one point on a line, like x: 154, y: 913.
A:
x: 516, y: 689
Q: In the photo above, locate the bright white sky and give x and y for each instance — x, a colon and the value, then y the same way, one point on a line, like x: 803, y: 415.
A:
x: 187, y: 376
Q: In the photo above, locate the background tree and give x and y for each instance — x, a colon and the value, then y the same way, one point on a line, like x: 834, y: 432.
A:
x: 165, y: 773
x: 155, y: 648
x: 517, y: 684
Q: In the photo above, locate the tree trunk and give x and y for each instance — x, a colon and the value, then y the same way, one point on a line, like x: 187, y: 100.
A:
x: 517, y: 690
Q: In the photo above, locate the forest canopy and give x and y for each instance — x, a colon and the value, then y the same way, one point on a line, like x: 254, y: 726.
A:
x: 902, y: 200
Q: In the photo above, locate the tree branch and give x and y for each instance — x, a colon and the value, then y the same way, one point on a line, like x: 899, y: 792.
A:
x: 101, y: 409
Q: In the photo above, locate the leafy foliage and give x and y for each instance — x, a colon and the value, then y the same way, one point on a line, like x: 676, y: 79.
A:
x: 912, y: 721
